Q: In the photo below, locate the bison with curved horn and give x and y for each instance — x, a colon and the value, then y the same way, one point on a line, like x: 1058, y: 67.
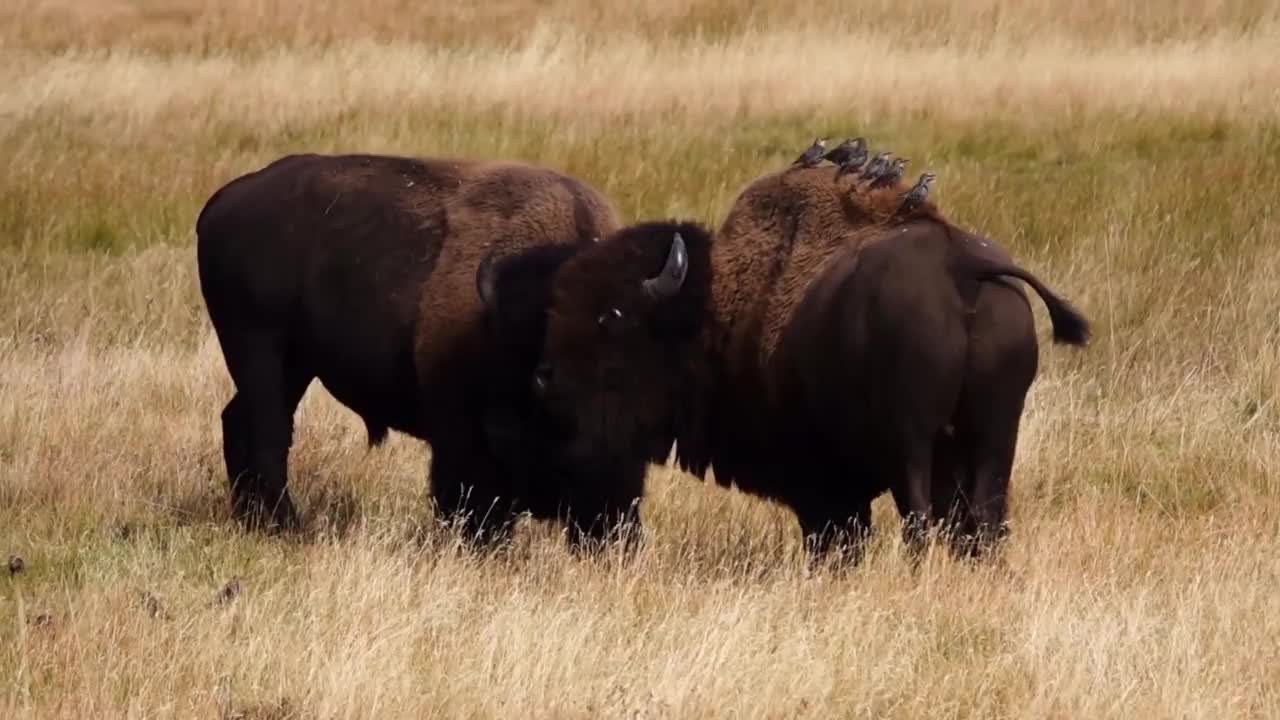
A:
x: 360, y: 271
x: 821, y: 348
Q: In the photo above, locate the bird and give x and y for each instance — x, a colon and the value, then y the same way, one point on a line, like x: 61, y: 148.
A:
x: 915, y: 197
x: 877, y: 165
x: 812, y: 156
x: 16, y: 565
x: 845, y: 151
x: 229, y: 593
x: 153, y: 607
x: 854, y: 157
x: 891, y: 173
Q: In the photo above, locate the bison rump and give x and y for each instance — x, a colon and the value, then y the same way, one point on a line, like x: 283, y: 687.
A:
x: 315, y: 257
x: 910, y: 359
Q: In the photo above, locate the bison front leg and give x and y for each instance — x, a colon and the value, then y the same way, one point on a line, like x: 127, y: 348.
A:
x: 590, y: 531
x: 468, y: 494
x: 604, y: 508
x: 838, y: 534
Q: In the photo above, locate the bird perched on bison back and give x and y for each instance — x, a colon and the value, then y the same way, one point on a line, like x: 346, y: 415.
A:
x: 877, y: 165
x: 891, y: 173
x: 915, y: 197
x: 847, y: 151
x: 855, y: 160
x: 811, y: 157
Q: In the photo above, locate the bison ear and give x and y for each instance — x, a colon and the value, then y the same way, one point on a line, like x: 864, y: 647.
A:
x: 486, y: 282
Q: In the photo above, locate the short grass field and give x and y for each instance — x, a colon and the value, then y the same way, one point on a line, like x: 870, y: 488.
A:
x: 1127, y: 153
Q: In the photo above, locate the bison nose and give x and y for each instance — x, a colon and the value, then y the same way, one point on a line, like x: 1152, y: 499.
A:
x: 542, y: 378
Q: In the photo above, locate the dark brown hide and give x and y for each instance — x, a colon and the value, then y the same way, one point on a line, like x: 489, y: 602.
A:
x: 361, y: 270
x: 904, y: 368
x: 820, y: 351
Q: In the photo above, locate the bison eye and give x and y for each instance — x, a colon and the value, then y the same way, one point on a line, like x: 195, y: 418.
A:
x: 611, y: 320
x: 542, y: 378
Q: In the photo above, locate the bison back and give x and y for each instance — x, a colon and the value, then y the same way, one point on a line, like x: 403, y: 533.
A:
x: 328, y: 255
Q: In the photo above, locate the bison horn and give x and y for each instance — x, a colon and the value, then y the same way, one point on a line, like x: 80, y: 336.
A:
x: 668, y: 282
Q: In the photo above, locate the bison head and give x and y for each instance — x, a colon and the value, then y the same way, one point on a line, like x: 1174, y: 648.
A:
x: 621, y: 354
x: 524, y: 439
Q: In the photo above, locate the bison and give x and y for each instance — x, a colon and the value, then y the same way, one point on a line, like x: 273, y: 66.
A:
x: 820, y: 349
x: 360, y: 271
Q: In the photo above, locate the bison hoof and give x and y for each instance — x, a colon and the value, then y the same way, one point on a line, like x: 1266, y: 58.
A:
x: 983, y: 544
x: 489, y: 538
x: 258, y: 515
x: 599, y: 536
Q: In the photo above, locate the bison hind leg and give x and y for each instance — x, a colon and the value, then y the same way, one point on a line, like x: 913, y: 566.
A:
x: 236, y: 441
x: 1003, y: 359
x: 991, y: 467
x: 258, y: 430
x: 952, y: 487
x: 913, y: 494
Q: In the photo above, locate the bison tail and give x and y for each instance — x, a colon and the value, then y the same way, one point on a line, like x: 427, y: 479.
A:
x: 1069, y: 324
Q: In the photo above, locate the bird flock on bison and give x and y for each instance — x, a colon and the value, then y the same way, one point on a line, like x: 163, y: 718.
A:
x: 835, y: 338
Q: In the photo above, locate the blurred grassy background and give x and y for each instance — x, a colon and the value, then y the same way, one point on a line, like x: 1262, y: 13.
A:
x: 1127, y: 153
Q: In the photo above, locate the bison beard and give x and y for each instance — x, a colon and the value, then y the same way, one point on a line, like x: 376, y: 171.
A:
x: 812, y: 352
x: 360, y: 271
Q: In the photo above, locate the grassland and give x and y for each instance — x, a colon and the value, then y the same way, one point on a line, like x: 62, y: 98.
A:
x: 1129, y: 153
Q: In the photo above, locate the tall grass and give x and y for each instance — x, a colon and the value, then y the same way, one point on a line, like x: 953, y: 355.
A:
x: 189, y: 27
x: 1126, y: 153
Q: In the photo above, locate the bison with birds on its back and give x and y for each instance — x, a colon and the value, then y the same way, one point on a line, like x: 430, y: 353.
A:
x: 825, y: 345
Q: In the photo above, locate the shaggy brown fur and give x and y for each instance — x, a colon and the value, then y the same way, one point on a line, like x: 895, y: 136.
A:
x: 360, y: 271
x: 781, y: 232
x: 822, y: 349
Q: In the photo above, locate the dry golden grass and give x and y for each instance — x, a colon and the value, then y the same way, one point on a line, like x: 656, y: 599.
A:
x: 1154, y: 600
x: 191, y: 26
x: 1111, y: 603
x: 558, y: 75
x: 1127, y: 153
